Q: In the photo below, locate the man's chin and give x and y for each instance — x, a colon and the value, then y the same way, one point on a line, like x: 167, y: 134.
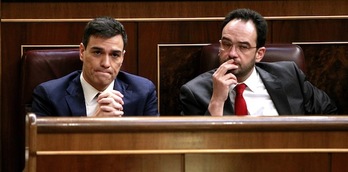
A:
x: 103, y: 83
x: 103, y: 78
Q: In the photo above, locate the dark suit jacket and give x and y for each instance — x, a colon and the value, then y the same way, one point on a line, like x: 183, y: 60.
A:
x: 64, y: 96
x: 287, y: 86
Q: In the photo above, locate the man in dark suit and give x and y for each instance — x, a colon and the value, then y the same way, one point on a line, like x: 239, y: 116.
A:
x: 270, y: 89
x: 100, y: 89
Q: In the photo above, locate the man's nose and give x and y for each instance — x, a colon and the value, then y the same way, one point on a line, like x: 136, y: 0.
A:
x: 106, y: 61
x: 233, y: 51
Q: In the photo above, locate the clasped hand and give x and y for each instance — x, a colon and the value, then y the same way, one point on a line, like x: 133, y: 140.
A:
x: 110, y: 104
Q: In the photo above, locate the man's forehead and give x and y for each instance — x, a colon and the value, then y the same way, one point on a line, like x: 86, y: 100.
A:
x: 240, y: 25
x: 240, y: 30
x: 110, y: 44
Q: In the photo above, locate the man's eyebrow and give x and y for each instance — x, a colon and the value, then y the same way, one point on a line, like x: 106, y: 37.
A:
x: 117, y: 51
x: 101, y: 49
x: 225, y: 39
x: 244, y: 42
x: 96, y: 48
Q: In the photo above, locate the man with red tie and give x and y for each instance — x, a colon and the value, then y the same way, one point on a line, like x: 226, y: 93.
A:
x: 242, y: 85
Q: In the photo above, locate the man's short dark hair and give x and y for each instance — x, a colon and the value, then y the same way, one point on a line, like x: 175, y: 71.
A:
x: 104, y: 27
x: 246, y: 15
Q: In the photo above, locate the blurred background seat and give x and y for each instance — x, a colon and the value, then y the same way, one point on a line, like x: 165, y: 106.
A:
x: 42, y: 65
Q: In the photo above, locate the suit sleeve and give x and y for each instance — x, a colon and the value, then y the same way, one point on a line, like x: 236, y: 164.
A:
x: 189, y: 103
x: 40, y: 104
x: 316, y: 101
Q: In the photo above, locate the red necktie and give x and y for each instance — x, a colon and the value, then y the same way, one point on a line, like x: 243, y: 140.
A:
x: 239, y: 103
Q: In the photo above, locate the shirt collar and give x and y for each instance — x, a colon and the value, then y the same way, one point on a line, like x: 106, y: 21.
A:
x: 89, y: 91
x: 252, y: 81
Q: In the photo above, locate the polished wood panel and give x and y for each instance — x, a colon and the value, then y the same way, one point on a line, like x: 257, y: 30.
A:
x: 188, y: 143
x: 177, y: 64
x: 170, y: 9
x: 108, y: 163
x: 309, y: 30
x: 339, y: 162
x: 260, y: 162
x: 153, y: 33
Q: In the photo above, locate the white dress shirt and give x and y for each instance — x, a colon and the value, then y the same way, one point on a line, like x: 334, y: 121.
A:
x: 90, y: 94
x: 258, y: 101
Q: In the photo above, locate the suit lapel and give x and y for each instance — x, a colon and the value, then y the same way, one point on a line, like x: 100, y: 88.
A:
x: 276, y: 91
x: 75, y: 98
x: 124, y: 89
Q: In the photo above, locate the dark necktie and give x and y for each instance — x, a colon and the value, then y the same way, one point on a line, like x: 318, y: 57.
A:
x: 239, y: 103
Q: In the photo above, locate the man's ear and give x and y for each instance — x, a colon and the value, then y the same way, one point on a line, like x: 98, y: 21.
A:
x: 260, y: 54
x: 82, y: 50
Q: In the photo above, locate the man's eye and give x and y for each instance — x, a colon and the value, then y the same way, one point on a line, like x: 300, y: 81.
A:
x: 243, y: 47
x: 116, y: 55
x: 97, y: 52
x: 226, y: 44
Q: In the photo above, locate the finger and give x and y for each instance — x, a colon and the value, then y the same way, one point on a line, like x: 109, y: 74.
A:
x: 109, y: 111
x: 229, y: 77
x: 110, y: 93
x: 111, y: 103
x: 116, y: 95
x: 226, y: 79
x: 108, y: 114
x: 106, y: 111
x: 225, y: 68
